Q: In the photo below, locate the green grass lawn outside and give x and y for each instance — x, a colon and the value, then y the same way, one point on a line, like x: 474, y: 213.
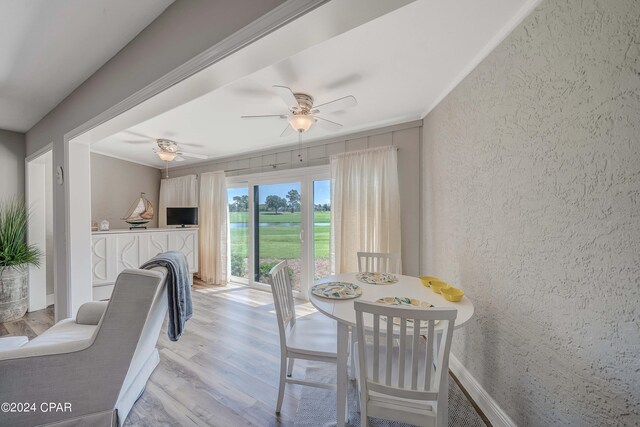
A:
x: 280, y: 242
x: 281, y: 217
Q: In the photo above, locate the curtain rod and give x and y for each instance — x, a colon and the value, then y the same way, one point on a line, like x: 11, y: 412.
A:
x: 275, y: 165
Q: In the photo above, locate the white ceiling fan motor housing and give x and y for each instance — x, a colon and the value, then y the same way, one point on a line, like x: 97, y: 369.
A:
x: 167, y: 145
x: 305, y: 103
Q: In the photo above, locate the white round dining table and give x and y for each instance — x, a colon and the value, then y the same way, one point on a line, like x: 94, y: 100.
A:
x: 345, y: 315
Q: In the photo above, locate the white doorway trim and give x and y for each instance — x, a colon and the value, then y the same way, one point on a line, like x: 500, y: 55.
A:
x: 35, y: 199
x: 77, y: 186
x: 44, y: 150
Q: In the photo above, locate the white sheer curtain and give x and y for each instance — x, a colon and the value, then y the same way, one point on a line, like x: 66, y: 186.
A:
x: 365, y: 205
x: 214, y: 229
x: 176, y: 193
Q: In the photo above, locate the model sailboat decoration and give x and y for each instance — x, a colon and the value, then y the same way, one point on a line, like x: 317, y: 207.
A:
x: 140, y: 213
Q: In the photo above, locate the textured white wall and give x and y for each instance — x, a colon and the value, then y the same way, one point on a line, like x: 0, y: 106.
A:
x: 531, y: 204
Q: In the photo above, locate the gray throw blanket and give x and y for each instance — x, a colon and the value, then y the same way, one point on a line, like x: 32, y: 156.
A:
x: 178, y: 289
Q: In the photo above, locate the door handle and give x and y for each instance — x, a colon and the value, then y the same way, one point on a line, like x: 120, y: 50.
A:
x: 302, y: 235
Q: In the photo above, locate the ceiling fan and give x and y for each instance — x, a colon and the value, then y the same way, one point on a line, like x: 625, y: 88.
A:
x: 168, y: 151
x: 303, y: 114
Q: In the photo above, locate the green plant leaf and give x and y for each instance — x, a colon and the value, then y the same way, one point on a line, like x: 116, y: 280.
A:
x: 14, y: 249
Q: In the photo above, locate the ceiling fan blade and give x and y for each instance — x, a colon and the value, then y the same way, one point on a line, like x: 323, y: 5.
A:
x: 337, y: 104
x: 186, y: 144
x: 140, y: 135
x: 287, y: 131
x: 328, y: 124
x: 131, y: 141
x: 179, y: 159
x: 287, y: 96
x: 195, y: 156
x: 253, y: 92
x: 266, y: 116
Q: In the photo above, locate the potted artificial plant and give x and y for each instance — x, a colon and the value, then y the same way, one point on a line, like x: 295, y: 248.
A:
x: 15, y: 258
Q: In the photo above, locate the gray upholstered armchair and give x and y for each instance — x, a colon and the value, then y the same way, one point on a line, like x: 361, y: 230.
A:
x: 97, y: 364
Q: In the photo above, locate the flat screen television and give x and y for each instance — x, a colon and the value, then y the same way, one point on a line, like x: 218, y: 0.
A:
x: 182, y: 216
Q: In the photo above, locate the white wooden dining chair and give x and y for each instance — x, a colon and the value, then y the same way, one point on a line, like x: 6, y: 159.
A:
x: 396, y: 375
x: 379, y: 262
x: 312, y: 337
x: 374, y: 262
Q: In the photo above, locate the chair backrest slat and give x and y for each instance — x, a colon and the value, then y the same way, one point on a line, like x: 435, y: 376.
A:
x: 376, y: 347
x: 403, y: 351
x: 428, y: 368
x: 389, y: 354
x: 379, y: 262
x: 415, y: 356
x: 282, y: 298
x: 411, y: 323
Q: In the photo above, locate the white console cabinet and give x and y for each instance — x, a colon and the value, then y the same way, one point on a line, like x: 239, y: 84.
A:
x: 116, y: 250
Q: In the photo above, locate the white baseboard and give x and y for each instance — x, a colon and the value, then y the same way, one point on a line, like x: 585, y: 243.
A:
x: 50, y: 299
x: 485, y: 402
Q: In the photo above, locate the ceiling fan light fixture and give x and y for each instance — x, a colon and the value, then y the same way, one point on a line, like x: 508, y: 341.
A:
x: 166, y: 156
x: 301, y: 122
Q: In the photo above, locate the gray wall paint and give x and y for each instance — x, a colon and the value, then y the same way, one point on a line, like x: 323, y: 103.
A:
x: 182, y: 31
x: 532, y: 205
x: 12, y: 154
x: 406, y: 137
x: 116, y: 184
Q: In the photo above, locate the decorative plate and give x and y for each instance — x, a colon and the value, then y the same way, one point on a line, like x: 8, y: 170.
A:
x: 377, y: 278
x: 337, y: 290
x: 405, y: 301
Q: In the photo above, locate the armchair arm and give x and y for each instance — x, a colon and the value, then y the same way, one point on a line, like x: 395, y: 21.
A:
x: 90, y: 313
x: 10, y: 343
x: 44, y: 350
x: 86, y: 374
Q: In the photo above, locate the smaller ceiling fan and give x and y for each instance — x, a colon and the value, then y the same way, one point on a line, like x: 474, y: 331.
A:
x: 168, y: 151
x: 303, y: 114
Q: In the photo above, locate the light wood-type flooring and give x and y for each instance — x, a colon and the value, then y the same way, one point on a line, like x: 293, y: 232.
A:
x: 30, y: 325
x: 222, y: 372
x: 224, y: 369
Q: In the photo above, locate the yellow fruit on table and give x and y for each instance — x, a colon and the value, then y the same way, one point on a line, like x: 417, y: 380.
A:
x: 426, y: 280
x: 438, y: 285
x: 452, y: 294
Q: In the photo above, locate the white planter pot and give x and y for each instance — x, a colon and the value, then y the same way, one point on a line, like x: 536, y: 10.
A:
x: 14, y: 292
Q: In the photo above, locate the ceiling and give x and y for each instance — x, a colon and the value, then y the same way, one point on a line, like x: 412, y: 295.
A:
x: 398, y: 66
x: 49, y: 47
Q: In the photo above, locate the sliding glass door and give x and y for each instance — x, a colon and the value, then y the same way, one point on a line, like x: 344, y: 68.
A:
x: 239, y: 232
x: 278, y: 233
x: 280, y: 216
x: 321, y: 227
